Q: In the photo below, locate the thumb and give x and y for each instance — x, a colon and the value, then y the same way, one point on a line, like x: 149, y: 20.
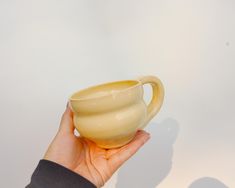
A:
x: 66, y: 123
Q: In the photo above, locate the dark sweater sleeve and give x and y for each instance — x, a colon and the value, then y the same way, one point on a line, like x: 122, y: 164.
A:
x: 52, y: 175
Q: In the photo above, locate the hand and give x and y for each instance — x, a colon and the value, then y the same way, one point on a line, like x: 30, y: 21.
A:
x: 84, y: 157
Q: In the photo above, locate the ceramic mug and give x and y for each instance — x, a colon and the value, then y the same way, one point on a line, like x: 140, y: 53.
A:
x: 110, y: 114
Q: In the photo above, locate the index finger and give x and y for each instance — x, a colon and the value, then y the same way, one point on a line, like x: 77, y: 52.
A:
x: 129, y: 150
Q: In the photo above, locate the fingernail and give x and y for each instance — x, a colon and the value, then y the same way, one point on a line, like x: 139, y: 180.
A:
x: 67, y: 105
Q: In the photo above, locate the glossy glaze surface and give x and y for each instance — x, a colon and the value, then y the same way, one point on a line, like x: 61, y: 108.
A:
x: 110, y: 114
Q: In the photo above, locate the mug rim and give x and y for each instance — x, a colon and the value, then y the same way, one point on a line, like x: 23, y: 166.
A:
x: 137, y: 83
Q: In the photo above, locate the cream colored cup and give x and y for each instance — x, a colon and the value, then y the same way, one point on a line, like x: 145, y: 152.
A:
x: 110, y: 114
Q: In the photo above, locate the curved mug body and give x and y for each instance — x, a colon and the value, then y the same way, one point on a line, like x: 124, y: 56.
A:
x: 110, y: 114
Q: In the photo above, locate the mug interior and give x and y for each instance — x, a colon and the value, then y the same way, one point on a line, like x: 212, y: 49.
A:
x: 104, y: 90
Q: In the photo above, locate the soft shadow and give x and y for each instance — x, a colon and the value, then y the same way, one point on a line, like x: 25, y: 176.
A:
x: 153, y: 162
x: 207, y: 182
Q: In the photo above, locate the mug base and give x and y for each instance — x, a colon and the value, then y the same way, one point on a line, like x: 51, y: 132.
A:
x: 114, y: 143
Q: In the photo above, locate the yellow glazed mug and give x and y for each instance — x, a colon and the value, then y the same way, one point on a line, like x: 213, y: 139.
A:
x: 110, y: 114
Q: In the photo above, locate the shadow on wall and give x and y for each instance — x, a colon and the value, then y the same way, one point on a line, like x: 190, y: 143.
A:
x: 153, y: 162
x: 207, y: 182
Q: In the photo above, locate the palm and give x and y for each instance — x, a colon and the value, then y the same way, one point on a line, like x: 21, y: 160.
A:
x: 94, y: 162
x: 84, y: 157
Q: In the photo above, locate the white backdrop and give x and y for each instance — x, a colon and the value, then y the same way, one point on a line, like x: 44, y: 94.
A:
x: 49, y: 49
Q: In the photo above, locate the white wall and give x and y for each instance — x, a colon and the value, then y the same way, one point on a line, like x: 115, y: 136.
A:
x: 49, y: 49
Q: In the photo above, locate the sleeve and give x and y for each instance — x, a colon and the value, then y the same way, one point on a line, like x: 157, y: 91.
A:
x: 52, y: 175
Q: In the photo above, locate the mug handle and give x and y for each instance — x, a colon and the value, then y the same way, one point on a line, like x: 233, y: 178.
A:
x: 157, y: 97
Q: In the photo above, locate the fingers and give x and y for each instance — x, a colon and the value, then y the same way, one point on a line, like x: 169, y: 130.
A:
x: 66, y: 124
x: 130, y: 149
x: 111, y: 152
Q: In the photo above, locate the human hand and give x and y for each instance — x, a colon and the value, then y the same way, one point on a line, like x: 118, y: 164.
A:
x: 84, y: 157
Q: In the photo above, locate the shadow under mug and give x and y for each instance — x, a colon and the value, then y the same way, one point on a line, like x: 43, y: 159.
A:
x: 110, y: 114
